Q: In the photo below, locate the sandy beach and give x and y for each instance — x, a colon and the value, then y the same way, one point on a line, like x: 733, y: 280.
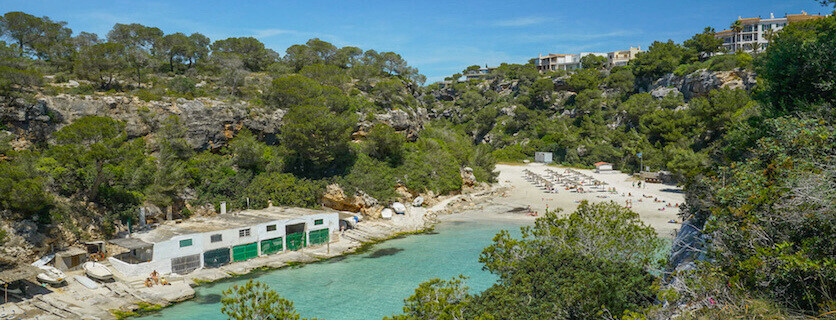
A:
x: 520, y: 192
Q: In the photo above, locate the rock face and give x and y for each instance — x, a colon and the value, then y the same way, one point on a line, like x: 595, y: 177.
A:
x: 335, y: 198
x: 209, y: 123
x: 702, y: 81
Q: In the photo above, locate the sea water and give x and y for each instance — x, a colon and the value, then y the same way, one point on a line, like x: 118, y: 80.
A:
x: 369, y: 285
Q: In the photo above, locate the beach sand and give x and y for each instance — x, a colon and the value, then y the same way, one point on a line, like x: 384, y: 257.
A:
x: 520, y: 193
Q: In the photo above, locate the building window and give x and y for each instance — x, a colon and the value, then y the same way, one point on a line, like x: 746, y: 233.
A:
x: 185, y: 243
x: 244, y: 233
x: 317, y: 222
x: 216, y: 238
x: 271, y: 227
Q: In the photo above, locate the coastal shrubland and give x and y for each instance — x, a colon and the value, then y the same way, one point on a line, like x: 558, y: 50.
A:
x: 590, y: 263
x: 757, y: 168
x: 749, y: 136
x: 326, y: 98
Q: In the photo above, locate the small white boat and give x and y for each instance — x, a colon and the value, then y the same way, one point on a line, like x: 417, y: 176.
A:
x: 387, y: 213
x: 399, y: 208
x: 51, y: 275
x: 97, y: 271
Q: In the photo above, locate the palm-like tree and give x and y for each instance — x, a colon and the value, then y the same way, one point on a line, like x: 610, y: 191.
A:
x: 736, y: 26
x: 769, y: 35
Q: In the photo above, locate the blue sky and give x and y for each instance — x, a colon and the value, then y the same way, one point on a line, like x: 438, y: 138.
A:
x: 438, y: 37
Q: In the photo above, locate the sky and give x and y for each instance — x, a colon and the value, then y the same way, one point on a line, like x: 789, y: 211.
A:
x: 440, y: 38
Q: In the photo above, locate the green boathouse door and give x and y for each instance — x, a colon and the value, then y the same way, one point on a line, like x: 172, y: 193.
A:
x: 271, y: 246
x: 295, y: 241
x: 245, y: 251
x: 319, y: 236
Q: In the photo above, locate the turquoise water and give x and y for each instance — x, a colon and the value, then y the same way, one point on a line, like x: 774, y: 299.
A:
x: 369, y: 285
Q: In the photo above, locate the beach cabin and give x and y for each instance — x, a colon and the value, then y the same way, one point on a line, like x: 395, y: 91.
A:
x: 603, y: 167
x: 543, y: 157
x: 211, y: 242
x: 70, y: 259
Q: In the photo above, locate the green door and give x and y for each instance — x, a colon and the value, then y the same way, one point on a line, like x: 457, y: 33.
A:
x: 319, y: 236
x: 245, y: 251
x: 271, y: 246
x: 295, y: 241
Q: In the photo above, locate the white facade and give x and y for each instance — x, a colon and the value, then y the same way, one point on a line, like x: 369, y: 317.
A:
x: 755, y: 33
x: 543, y: 157
x: 553, y: 62
x: 197, y: 243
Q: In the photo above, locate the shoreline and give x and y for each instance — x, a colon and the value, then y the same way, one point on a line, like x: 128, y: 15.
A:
x: 446, y: 210
x: 506, y: 200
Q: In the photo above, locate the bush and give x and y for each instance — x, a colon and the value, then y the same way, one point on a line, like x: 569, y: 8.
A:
x: 728, y: 62
x: 182, y: 85
x: 565, y: 285
x: 798, y: 66
x: 372, y: 177
x: 384, y: 144
x: 283, y: 189
x: 147, y: 96
x: 585, y: 79
x: 427, y: 170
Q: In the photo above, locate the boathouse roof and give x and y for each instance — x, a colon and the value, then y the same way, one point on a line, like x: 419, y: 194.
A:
x: 241, y: 219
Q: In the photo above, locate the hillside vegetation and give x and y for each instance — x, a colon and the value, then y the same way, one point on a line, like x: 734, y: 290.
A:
x: 750, y: 137
x: 90, y: 175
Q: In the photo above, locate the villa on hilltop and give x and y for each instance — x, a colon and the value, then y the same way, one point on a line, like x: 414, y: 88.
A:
x: 554, y: 61
x: 753, y: 34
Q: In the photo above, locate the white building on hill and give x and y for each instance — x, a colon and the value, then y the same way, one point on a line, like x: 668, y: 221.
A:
x: 754, y: 33
x: 554, y: 61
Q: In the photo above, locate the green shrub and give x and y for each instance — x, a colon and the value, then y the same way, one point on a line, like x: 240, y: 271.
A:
x: 182, y: 85
x: 84, y: 89
x: 728, y: 62
x: 513, y: 153
x: 372, y: 176
x: 146, y: 95
x: 565, y: 285
x: 283, y: 189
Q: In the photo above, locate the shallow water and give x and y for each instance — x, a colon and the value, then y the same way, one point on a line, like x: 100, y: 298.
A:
x: 369, y: 285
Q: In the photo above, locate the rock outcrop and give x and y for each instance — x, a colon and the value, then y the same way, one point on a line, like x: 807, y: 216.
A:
x: 209, y: 123
x: 700, y: 82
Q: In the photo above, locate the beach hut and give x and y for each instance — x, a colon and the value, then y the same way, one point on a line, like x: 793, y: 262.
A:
x: 603, y: 167
x: 70, y: 259
x: 543, y: 157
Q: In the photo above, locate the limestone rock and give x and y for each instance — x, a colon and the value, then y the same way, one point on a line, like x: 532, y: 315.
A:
x: 700, y: 82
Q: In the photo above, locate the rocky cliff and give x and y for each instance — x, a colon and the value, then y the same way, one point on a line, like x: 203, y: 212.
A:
x: 209, y: 123
x: 700, y: 82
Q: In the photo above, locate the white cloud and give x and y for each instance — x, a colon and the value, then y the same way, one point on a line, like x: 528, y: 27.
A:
x: 266, y: 33
x: 576, y: 36
x: 521, y: 22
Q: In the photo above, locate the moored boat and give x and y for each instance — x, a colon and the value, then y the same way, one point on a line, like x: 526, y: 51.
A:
x: 97, y: 271
x: 51, y: 275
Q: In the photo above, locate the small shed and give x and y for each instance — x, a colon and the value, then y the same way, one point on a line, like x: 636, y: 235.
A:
x: 70, y: 259
x: 543, y: 157
x: 602, y: 167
